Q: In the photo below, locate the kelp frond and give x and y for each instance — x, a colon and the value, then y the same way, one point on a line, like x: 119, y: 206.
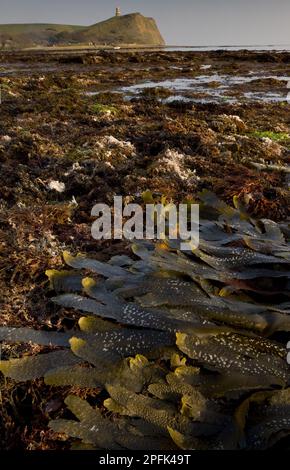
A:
x: 180, y: 342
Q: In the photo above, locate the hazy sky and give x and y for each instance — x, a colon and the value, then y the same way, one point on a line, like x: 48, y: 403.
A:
x: 187, y: 22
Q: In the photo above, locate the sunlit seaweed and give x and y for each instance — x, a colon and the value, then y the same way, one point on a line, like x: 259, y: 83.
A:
x: 211, y: 323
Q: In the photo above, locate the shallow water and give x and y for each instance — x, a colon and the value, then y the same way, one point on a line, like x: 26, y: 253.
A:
x: 214, y: 86
x: 281, y: 48
x: 187, y: 83
x: 204, y: 100
x: 266, y: 97
x: 91, y: 93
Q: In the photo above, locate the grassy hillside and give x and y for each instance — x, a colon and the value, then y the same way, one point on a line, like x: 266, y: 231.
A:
x: 127, y: 29
x: 27, y: 28
x: 24, y: 35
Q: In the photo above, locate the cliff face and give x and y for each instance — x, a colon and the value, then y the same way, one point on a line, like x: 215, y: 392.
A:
x: 128, y: 29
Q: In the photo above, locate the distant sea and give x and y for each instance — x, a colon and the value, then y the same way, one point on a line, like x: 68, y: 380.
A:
x: 283, y: 47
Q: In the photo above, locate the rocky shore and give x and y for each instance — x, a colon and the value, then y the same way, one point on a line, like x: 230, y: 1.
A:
x: 77, y: 129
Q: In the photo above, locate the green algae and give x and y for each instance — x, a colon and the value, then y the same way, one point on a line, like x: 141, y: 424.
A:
x: 99, y: 108
x: 275, y: 136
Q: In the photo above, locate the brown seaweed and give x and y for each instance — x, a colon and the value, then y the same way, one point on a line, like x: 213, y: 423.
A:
x: 214, y: 376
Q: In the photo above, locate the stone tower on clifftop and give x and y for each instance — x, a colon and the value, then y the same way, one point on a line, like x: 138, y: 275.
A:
x: 118, y: 11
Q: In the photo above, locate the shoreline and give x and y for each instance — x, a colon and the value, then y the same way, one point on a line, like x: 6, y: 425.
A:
x: 78, y: 129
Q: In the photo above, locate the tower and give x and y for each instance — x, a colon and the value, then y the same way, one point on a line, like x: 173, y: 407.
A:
x: 118, y: 11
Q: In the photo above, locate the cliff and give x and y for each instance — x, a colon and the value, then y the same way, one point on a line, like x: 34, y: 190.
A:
x: 128, y: 29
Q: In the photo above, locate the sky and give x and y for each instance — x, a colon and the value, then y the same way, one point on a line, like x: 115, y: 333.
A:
x: 181, y: 22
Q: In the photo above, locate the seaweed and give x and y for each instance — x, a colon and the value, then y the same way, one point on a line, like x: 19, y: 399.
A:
x: 93, y: 428
x: 187, y: 347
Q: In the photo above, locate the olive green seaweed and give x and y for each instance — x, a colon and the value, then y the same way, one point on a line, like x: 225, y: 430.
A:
x: 188, y: 348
